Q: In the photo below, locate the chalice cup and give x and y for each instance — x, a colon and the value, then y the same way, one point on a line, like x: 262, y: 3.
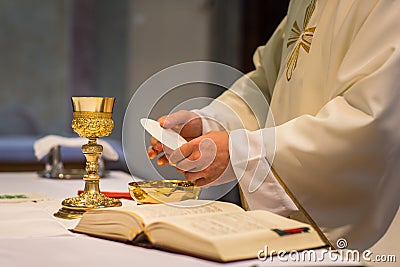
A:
x: 92, y: 119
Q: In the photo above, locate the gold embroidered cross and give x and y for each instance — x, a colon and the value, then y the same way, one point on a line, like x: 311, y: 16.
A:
x: 302, y: 38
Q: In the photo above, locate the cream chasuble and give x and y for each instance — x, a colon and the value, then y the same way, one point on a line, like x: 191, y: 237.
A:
x: 331, y: 75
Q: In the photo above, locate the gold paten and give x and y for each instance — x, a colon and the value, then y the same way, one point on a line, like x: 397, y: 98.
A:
x: 163, y: 191
x: 92, y: 119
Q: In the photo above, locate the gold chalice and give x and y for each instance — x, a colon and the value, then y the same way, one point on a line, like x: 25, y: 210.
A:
x: 92, y: 119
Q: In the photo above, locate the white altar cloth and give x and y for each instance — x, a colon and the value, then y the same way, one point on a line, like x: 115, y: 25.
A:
x: 31, y: 236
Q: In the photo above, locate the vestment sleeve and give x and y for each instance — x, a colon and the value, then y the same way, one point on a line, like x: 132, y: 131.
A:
x: 342, y: 164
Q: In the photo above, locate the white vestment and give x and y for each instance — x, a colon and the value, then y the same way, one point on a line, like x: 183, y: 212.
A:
x: 331, y: 75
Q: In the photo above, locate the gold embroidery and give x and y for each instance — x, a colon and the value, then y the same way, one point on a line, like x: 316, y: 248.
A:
x: 302, y: 38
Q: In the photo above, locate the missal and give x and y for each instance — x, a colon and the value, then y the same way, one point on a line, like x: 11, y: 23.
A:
x: 213, y: 230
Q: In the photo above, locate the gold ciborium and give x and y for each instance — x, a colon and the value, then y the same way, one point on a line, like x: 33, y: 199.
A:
x: 92, y: 119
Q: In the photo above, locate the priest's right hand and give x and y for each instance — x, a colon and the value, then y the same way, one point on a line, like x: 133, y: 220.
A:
x: 188, y: 124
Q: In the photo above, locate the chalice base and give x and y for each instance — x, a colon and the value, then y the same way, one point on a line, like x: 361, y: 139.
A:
x: 74, y: 208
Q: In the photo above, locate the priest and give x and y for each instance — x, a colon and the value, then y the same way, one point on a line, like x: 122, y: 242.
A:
x: 316, y: 122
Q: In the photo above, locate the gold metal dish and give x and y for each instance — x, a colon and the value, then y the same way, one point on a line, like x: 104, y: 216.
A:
x: 162, y: 191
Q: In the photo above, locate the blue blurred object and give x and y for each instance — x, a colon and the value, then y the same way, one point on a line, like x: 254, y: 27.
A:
x: 16, y: 153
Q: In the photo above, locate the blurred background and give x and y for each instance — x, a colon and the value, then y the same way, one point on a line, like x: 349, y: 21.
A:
x: 51, y: 50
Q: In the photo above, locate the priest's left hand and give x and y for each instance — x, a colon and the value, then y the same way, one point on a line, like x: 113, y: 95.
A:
x: 205, y: 159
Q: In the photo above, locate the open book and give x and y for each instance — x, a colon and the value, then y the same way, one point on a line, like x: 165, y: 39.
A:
x: 213, y: 230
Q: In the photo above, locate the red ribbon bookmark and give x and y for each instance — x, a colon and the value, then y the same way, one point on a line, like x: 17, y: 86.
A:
x: 292, y: 231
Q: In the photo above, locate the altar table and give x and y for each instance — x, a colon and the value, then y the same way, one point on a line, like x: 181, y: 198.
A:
x: 31, y: 236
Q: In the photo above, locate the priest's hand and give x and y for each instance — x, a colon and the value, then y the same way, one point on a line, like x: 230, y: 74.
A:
x: 188, y: 124
x: 205, y: 159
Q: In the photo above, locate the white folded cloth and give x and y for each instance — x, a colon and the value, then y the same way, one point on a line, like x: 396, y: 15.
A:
x: 43, y: 146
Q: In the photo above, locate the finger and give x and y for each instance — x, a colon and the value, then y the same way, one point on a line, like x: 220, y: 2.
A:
x: 181, y: 153
x: 167, y: 150
x: 179, y: 170
x: 193, y: 176
x: 201, y: 158
x: 175, y: 119
x: 162, y: 161
x: 169, y: 122
x: 151, y: 153
x: 201, y: 182
x: 157, y: 146
x: 161, y: 120
x: 187, y: 165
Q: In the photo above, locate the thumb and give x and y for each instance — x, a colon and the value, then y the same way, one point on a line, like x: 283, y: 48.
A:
x: 181, y: 153
x: 177, y: 118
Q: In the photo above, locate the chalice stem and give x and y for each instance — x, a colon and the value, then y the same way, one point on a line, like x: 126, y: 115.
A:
x: 92, y: 152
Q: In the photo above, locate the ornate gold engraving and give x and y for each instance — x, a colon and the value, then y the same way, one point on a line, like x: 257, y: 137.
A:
x: 302, y: 38
x: 89, y: 200
x: 92, y: 122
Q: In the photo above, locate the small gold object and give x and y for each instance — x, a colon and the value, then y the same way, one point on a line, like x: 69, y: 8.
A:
x: 162, y: 191
x: 92, y: 119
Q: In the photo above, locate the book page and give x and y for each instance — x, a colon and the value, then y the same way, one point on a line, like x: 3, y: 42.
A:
x: 149, y: 213
x: 126, y: 222
x: 231, y: 236
x: 231, y: 223
x: 223, y: 224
